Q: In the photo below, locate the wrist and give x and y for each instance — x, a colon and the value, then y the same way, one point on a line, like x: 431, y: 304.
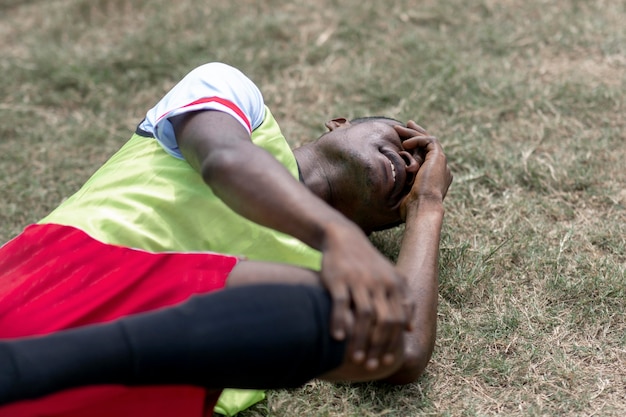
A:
x: 425, y: 204
x: 338, y: 231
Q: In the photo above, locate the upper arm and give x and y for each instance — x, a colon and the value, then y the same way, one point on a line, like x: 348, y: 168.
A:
x: 203, y: 133
x: 214, y: 86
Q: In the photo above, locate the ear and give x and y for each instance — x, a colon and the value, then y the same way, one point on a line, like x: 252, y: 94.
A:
x: 337, y: 123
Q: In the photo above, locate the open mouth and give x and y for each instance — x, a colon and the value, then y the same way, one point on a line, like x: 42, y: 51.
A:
x: 393, y: 170
x: 401, y: 178
x: 397, y: 177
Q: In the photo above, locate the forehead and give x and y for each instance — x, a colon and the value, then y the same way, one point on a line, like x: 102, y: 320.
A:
x: 377, y: 129
x: 378, y: 121
x: 390, y: 122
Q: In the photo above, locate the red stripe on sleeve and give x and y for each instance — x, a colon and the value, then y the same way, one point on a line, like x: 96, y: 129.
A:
x: 221, y: 101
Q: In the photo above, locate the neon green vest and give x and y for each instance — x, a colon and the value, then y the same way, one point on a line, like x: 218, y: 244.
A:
x: 144, y: 198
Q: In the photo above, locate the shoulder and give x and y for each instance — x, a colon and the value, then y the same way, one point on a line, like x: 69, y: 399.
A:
x: 213, y: 69
x: 222, y: 83
x: 224, y: 80
x: 212, y: 86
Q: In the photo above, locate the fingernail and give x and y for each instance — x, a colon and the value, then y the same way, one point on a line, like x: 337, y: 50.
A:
x: 388, y: 359
x: 339, y: 334
x: 372, y: 364
x: 358, y: 356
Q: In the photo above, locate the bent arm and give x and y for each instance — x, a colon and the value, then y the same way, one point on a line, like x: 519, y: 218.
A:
x: 250, y: 180
x: 419, y: 251
x: 418, y: 260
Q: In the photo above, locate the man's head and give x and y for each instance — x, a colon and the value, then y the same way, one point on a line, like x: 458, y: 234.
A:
x: 366, y: 169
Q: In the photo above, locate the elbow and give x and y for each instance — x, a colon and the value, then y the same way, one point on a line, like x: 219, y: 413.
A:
x: 219, y: 164
x: 408, y: 367
x: 413, y: 366
x: 408, y: 373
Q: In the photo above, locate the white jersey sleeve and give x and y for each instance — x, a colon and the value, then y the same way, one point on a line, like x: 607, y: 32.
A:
x: 213, y: 86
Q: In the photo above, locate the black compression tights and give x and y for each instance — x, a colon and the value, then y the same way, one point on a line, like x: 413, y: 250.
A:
x: 258, y: 336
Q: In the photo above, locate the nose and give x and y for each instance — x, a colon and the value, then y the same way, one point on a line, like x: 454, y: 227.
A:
x: 412, y: 166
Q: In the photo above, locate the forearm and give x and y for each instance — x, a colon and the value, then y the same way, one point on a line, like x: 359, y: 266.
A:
x: 418, y: 261
x: 255, y: 185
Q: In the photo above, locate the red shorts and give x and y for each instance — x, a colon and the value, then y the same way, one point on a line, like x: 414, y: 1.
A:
x: 56, y: 277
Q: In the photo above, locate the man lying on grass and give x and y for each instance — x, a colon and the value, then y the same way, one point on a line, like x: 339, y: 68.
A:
x: 207, y: 254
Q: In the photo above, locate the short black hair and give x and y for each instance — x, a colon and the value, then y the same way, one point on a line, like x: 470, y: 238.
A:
x: 373, y: 118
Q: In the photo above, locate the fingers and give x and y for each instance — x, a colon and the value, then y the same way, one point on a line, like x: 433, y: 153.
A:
x: 368, y: 295
x: 413, y: 140
x: 341, y: 316
x: 387, y: 334
x: 363, y: 321
x: 407, y: 133
x: 412, y: 125
x: 428, y: 143
x: 380, y: 320
x: 411, y: 129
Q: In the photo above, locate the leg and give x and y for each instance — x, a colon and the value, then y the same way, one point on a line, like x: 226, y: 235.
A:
x: 257, y: 336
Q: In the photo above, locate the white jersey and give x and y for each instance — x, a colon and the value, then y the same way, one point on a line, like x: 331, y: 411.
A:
x: 212, y: 86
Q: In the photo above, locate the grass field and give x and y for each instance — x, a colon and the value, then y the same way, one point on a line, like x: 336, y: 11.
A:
x: 527, y: 98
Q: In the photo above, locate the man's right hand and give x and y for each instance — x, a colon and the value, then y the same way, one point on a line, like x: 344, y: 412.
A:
x: 434, y: 176
x: 368, y: 294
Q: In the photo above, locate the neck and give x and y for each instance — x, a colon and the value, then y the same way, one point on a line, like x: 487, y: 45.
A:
x: 314, y: 172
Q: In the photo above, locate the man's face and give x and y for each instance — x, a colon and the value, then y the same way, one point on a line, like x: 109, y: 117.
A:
x: 372, y: 172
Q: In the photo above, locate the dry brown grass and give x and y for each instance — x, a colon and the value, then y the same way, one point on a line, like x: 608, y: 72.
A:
x: 527, y: 98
